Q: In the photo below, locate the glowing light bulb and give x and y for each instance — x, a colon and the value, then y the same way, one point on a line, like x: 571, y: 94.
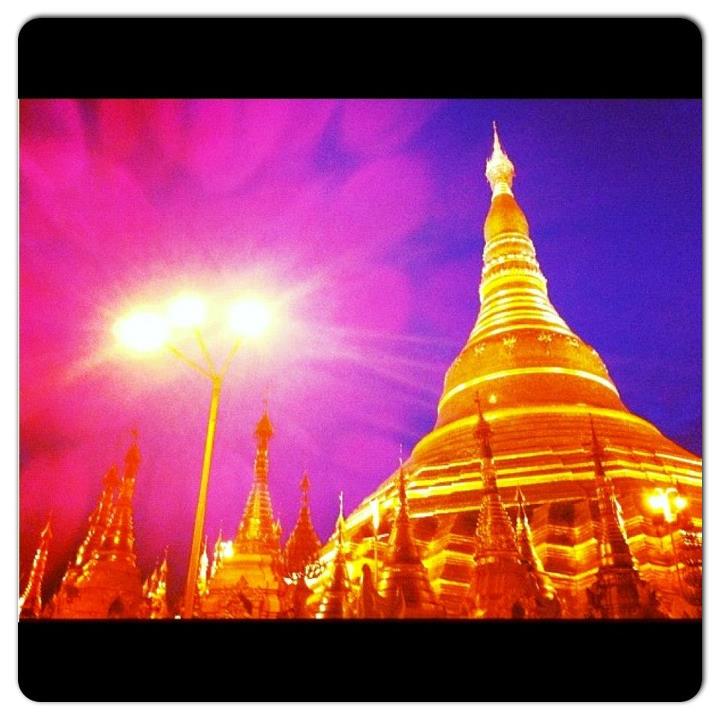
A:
x: 657, y: 501
x: 187, y: 311
x: 142, y: 331
x: 227, y: 549
x: 680, y: 503
x: 250, y: 317
x: 375, y: 508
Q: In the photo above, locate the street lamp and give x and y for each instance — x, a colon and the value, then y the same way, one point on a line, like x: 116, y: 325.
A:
x: 146, y: 331
x: 668, y: 505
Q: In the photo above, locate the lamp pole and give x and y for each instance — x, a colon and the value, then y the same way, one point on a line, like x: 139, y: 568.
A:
x: 199, y: 526
x: 216, y: 380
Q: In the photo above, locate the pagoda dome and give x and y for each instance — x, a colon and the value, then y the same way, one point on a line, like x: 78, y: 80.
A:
x: 505, y: 217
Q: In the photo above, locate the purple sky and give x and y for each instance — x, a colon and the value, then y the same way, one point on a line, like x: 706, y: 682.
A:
x: 363, y: 221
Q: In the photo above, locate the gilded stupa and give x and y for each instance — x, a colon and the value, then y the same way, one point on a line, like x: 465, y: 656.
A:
x: 535, y: 383
x: 246, y: 579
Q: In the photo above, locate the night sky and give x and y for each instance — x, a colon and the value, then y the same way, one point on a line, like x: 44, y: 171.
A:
x: 362, y: 222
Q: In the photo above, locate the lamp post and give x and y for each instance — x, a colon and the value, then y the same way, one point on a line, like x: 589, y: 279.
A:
x: 145, y: 332
x: 668, y: 504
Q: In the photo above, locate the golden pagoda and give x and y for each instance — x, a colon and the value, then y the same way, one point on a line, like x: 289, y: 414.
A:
x: 404, y: 585
x: 104, y: 581
x: 248, y: 576
x: 618, y: 591
x: 505, y: 582
x: 536, y: 382
x: 155, y: 591
x: 337, y: 601
x: 545, y: 602
x: 303, y: 544
x: 31, y: 604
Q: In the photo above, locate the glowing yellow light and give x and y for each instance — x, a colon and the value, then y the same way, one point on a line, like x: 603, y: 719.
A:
x: 375, y: 509
x: 667, y: 501
x: 227, y: 549
x: 187, y: 311
x: 142, y: 331
x: 250, y: 317
x: 657, y: 501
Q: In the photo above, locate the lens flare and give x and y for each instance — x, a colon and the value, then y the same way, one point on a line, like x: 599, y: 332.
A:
x: 250, y: 317
x: 142, y: 331
x: 187, y: 311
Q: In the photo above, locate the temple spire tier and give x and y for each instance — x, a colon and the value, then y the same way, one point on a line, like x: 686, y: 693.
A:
x: 520, y: 351
x: 108, y: 584
x: 259, y: 530
x: 303, y: 545
x: 31, y: 603
x: 337, y: 601
x: 618, y: 591
x: 404, y: 583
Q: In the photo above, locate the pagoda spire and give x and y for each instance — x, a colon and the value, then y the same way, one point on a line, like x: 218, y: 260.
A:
x: 404, y: 580
x: 155, y: 590
x: 31, y: 605
x: 100, y: 518
x: 119, y: 537
x: 614, y: 550
x: 202, y: 578
x: 217, y: 554
x: 541, y: 587
x: 303, y: 544
x: 258, y: 527
x: 499, y: 169
x: 109, y: 585
x: 517, y: 327
x: 336, y: 601
x: 617, y: 591
x: 499, y: 587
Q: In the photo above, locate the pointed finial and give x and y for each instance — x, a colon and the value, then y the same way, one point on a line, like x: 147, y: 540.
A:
x: 47, y: 530
x: 264, y: 429
x: 499, y: 170
x: 340, y: 520
x: 496, y: 140
x: 132, y: 457
x: 520, y: 502
x: 402, y: 487
x: 305, y: 485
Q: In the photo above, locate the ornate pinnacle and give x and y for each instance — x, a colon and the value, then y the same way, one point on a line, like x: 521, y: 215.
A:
x: 614, y: 550
x: 305, y: 489
x: 100, y: 518
x: 402, y: 490
x: 336, y: 602
x: 264, y: 430
x: 31, y: 599
x: 499, y: 170
x: 303, y: 544
x: 132, y: 457
x: 341, y: 517
x: 258, y: 522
